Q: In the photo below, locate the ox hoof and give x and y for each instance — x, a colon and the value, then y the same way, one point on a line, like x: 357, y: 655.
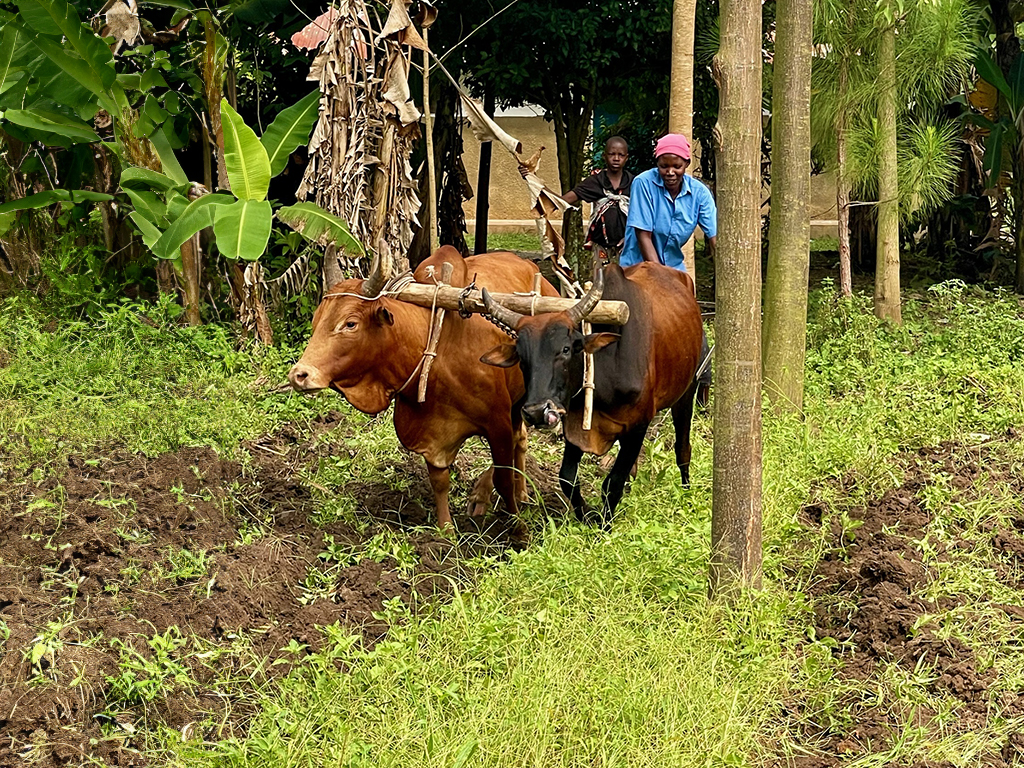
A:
x: 476, y: 509
x: 684, y: 474
x: 517, y: 531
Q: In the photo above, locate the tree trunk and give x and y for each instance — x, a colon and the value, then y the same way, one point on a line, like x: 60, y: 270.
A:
x: 452, y: 181
x: 572, y: 129
x: 213, y: 78
x: 191, y: 261
x: 680, y: 110
x: 843, y: 186
x: 887, y: 253
x: 789, y: 234
x: 736, y: 500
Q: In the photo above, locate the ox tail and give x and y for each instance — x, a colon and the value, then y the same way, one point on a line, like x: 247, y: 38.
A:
x: 703, y: 374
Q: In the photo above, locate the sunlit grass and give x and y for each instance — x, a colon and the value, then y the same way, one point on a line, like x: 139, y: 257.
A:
x: 513, y: 241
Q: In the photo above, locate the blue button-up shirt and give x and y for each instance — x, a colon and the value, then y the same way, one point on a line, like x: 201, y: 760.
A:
x: 671, y: 222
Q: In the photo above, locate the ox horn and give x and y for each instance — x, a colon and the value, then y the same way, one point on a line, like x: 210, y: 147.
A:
x: 500, y: 313
x: 379, y: 271
x: 586, y: 305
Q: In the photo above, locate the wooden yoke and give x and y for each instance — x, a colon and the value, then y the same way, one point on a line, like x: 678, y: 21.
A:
x: 448, y: 297
x: 442, y: 296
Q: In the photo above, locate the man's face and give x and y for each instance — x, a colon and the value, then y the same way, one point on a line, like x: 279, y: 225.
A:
x: 615, y: 156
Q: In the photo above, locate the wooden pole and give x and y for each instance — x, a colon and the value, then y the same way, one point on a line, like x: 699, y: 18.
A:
x: 483, y: 184
x: 431, y: 174
x: 447, y: 297
x: 588, y: 383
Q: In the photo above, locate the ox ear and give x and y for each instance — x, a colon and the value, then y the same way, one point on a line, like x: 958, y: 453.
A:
x: 502, y: 356
x: 596, y: 341
x: 383, y: 316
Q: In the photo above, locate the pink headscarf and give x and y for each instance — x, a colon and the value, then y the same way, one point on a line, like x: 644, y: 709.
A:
x: 673, y: 144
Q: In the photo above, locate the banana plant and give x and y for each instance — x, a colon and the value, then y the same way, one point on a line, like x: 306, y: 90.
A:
x: 242, y: 219
x: 56, y: 75
x: 1005, y: 129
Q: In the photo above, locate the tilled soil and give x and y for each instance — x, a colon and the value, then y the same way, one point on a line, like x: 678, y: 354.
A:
x: 867, y: 590
x: 92, y: 569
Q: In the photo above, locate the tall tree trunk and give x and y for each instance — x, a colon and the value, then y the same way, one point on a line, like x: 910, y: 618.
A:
x: 680, y: 109
x: 887, y: 253
x: 213, y: 87
x: 789, y: 234
x: 452, y: 180
x: 736, y: 499
x: 572, y: 129
x: 843, y: 185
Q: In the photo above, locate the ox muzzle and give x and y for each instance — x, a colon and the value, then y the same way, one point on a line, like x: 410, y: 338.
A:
x: 546, y: 414
x: 307, y: 378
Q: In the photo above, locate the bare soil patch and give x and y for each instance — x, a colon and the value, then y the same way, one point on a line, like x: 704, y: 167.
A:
x: 867, y: 590
x: 100, y: 556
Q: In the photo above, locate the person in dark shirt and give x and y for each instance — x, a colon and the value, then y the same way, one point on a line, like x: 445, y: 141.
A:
x: 608, y: 191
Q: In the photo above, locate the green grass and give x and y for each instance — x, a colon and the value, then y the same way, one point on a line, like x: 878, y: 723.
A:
x: 594, y: 649
x: 135, y: 377
x: 513, y: 241
x: 587, y: 649
x: 824, y: 244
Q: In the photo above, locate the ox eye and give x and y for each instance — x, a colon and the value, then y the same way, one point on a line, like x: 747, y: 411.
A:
x: 346, y: 326
x: 566, y: 350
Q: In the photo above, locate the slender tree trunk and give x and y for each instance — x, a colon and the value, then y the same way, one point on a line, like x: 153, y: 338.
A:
x: 572, y: 128
x: 843, y: 186
x: 789, y: 235
x: 191, y: 259
x: 736, y: 504
x: 680, y: 110
x: 887, y: 253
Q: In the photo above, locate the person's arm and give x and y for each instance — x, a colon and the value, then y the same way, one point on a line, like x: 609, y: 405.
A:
x: 707, y: 216
x: 712, y: 247
x: 647, y: 249
x: 570, y: 197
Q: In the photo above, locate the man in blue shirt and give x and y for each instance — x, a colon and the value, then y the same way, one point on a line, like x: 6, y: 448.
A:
x: 666, y: 205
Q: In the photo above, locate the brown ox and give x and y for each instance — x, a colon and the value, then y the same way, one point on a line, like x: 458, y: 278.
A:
x: 645, y: 366
x: 369, y: 349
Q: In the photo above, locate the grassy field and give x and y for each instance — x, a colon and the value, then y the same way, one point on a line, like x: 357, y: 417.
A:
x: 888, y: 631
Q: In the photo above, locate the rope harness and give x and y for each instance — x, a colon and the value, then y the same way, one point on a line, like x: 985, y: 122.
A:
x: 392, y: 288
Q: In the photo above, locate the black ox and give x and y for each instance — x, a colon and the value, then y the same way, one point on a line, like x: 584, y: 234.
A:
x: 640, y: 369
